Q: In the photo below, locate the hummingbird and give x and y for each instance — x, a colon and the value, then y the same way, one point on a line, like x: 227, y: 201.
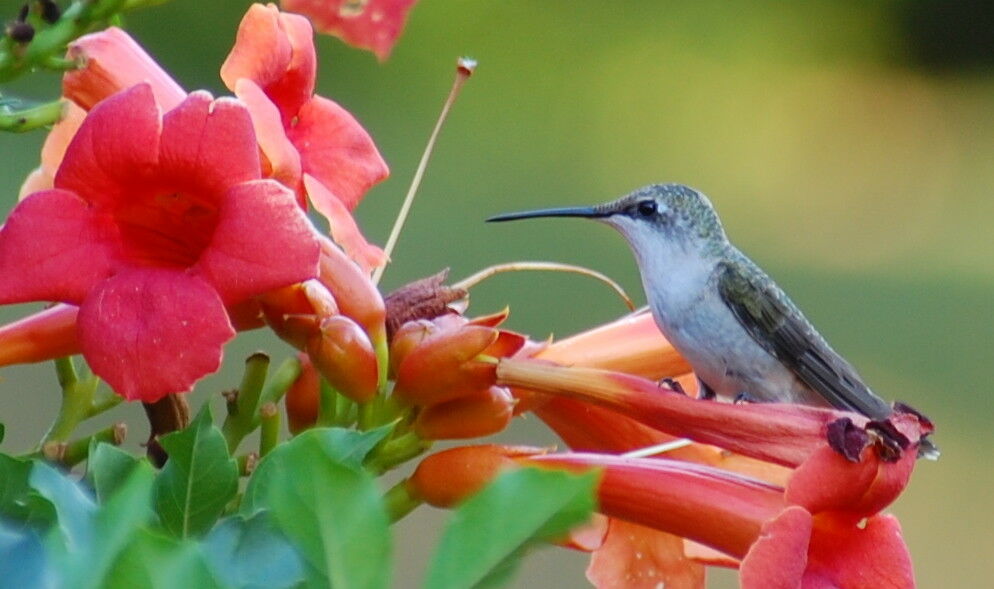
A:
x: 745, y: 339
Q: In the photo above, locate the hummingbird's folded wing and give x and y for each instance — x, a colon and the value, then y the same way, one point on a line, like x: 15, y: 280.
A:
x: 776, y: 324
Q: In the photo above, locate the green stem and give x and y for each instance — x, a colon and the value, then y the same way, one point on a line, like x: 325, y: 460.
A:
x: 78, y: 451
x: 399, y: 502
x: 77, y: 397
x: 42, y: 115
x: 81, y: 17
x: 396, y: 451
x: 281, y: 381
x: 241, y: 418
x: 269, y: 433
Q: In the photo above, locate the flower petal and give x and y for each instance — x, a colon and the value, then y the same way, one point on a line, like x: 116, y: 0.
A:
x: 778, y: 558
x: 344, y: 230
x: 639, y: 557
x: 114, y: 149
x: 335, y: 149
x: 373, y: 25
x: 208, y: 145
x: 262, y: 241
x: 845, y: 555
x: 53, y: 248
x: 827, y: 481
x: 276, y: 51
x: 281, y: 155
x: 114, y: 61
x: 632, y: 344
x: 151, y: 332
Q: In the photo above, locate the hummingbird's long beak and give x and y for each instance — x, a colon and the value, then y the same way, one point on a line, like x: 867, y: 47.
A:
x: 586, y: 212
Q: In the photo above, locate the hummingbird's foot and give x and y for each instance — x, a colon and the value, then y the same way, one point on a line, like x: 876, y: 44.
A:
x: 743, y: 397
x: 705, y: 392
x: 673, y: 385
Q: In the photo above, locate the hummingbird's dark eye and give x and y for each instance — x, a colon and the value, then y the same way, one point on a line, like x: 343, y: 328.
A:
x: 646, y: 209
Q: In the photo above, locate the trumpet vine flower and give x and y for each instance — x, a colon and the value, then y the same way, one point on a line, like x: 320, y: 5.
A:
x: 152, y: 228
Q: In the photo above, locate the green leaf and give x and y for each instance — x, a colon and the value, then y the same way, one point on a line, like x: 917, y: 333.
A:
x: 331, y: 510
x: 158, y: 562
x: 17, y: 501
x: 487, y: 535
x: 199, y: 479
x: 252, y: 553
x: 343, y: 446
x: 107, y: 468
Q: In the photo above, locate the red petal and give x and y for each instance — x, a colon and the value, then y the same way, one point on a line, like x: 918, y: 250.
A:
x: 152, y: 332
x: 639, y: 557
x: 276, y: 51
x: 284, y: 161
x: 373, y: 25
x: 778, y: 558
x: 115, y: 148
x: 844, y: 555
x: 114, y: 61
x: 344, y: 230
x: 207, y: 146
x: 827, y: 481
x: 53, y: 248
x: 262, y: 241
x: 335, y: 149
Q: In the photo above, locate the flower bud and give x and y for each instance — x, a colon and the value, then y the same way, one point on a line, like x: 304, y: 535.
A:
x: 303, y: 398
x: 344, y: 356
x: 294, y: 312
x: 355, y: 293
x: 443, y: 367
x: 448, y: 477
x: 472, y: 416
x: 408, y: 337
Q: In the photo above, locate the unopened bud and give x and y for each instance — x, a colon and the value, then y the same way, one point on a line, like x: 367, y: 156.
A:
x: 344, y: 356
x: 472, y: 416
x: 303, y: 398
x: 448, y: 477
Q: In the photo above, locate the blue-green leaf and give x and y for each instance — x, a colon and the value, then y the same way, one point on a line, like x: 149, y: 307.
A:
x: 487, y: 535
x: 23, y: 562
x: 250, y: 553
x: 199, y: 479
x: 107, y: 467
x: 73, y: 505
x: 160, y: 562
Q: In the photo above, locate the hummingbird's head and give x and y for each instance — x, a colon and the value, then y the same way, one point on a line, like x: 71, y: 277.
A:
x: 654, y: 217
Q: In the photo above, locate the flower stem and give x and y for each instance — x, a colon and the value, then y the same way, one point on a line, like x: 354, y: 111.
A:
x: 77, y: 396
x: 242, y: 406
x: 79, y: 450
x: 396, y: 451
x: 269, y: 432
x: 471, y: 281
x: 399, y: 502
x: 34, y: 117
x: 464, y: 69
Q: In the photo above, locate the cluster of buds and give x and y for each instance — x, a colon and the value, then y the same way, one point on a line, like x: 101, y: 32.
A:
x: 447, y: 369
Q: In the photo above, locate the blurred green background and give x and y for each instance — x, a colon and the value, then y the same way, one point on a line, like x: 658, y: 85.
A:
x: 847, y: 145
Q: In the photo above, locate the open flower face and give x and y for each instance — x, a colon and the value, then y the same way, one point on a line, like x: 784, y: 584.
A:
x: 156, y: 223
x: 309, y: 142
